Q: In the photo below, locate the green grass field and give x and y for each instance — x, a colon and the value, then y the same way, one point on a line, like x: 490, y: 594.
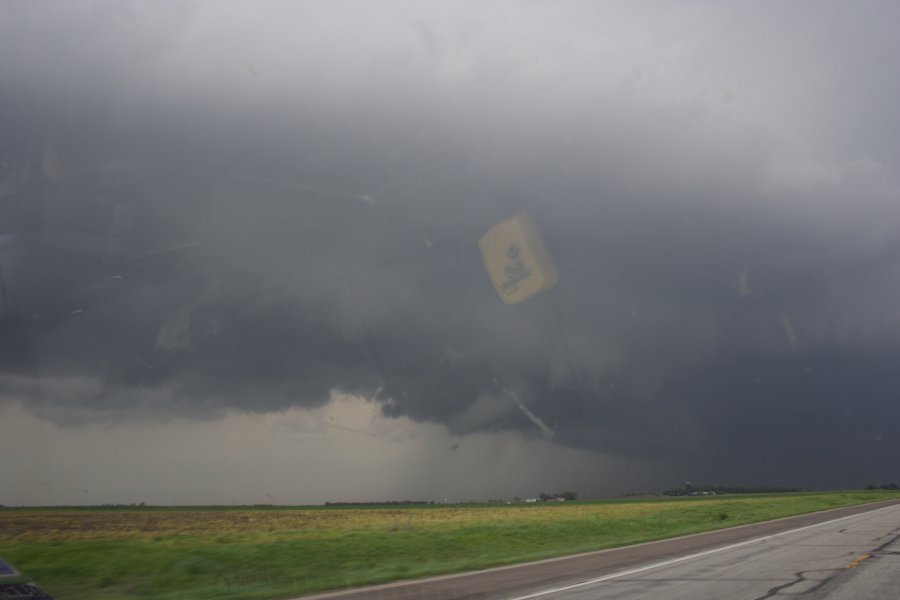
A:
x: 227, y: 553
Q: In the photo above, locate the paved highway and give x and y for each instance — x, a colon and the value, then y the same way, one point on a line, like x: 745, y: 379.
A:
x: 843, y: 554
x: 847, y: 559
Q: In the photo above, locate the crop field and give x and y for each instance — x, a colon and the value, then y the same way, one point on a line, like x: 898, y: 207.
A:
x: 270, y: 553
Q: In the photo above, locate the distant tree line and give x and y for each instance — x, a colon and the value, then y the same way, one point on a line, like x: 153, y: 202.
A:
x: 883, y: 486
x: 383, y: 503
x: 567, y: 495
x: 729, y: 489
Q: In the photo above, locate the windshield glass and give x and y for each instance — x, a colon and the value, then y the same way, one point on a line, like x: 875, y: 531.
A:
x: 308, y: 252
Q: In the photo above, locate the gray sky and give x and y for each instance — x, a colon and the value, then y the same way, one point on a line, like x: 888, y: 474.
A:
x: 256, y: 272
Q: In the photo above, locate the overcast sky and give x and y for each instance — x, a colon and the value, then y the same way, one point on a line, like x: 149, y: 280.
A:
x: 255, y: 277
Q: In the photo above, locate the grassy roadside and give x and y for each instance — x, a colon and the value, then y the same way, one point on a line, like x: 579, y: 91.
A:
x: 159, y: 554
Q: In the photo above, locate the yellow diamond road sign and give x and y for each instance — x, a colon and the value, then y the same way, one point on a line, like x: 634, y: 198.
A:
x: 517, y: 260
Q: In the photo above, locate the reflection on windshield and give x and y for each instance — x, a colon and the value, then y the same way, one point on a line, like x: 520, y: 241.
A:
x: 657, y: 247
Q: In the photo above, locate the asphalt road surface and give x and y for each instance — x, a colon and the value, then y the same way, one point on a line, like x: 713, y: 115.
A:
x: 850, y: 558
x: 842, y: 554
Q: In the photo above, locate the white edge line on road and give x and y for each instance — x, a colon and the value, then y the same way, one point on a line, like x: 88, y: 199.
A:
x: 673, y: 561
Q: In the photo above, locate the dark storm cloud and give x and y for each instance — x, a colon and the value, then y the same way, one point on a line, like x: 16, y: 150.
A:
x: 716, y: 184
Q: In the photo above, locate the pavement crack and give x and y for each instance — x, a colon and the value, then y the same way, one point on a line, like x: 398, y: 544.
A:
x: 799, y: 577
x: 882, y: 547
x: 855, y: 563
